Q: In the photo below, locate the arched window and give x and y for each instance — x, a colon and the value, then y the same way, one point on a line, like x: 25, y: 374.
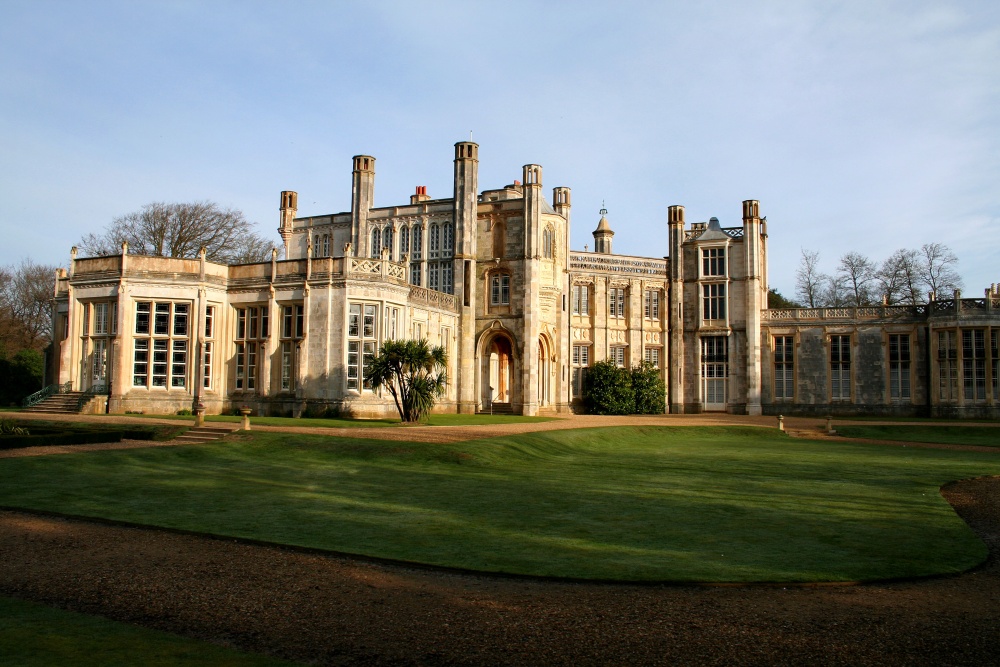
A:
x: 417, y: 247
x: 434, y: 247
x: 326, y: 245
x: 404, y: 241
x: 376, y: 246
x: 447, y: 240
x: 548, y: 243
x: 387, y: 240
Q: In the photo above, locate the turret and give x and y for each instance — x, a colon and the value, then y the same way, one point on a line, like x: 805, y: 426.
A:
x: 362, y: 198
x: 562, y: 202
x: 465, y: 215
x: 675, y: 315
x: 289, y: 207
x: 756, y: 299
x: 466, y: 197
x: 603, y: 234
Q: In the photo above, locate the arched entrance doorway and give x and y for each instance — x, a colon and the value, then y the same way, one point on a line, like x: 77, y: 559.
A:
x: 499, y: 375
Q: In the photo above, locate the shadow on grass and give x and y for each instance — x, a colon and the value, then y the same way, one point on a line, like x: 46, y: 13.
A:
x: 642, y: 503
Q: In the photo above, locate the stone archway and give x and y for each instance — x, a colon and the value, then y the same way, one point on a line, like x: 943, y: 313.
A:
x: 498, y: 371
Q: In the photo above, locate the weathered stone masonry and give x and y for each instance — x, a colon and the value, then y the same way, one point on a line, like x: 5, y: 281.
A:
x: 491, y: 277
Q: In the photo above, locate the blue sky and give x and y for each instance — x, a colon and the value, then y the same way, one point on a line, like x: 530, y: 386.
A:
x: 864, y: 126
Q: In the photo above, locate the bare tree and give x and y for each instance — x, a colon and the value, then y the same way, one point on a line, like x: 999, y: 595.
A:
x: 898, y: 278
x: 857, y: 272
x: 181, y: 230
x: 809, y: 281
x: 835, y: 292
x: 26, y: 292
x: 938, y: 269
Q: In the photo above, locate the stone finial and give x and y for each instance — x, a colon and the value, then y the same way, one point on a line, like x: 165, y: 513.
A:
x: 347, y: 249
x: 386, y: 252
x: 124, y: 247
x: 202, y: 251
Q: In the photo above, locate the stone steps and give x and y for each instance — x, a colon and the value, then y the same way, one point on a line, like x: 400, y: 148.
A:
x: 206, y: 433
x: 498, y: 409
x: 67, y: 403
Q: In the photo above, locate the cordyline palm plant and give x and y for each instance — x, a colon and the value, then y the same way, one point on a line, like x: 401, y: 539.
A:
x: 413, y: 372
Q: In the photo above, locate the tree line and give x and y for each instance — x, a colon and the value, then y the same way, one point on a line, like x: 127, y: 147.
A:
x: 903, y: 278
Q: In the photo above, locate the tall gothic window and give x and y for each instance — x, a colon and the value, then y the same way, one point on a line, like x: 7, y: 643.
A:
x: 784, y: 367
x: 947, y: 358
x: 995, y: 353
x: 376, y: 245
x: 840, y: 368
x: 581, y: 298
x: 404, y: 241
x: 899, y: 367
x: 616, y: 302
x: 362, y: 331
x: 974, y: 364
x: 292, y: 332
x: 387, y: 239
x: 252, y: 330
x: 548, y: 243
x: 651, y: 304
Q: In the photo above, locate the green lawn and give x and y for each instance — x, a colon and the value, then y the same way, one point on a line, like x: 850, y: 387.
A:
x: 34, y: 635
x: 988, y: 436
x: 309, y: 422
x: 636, y: 503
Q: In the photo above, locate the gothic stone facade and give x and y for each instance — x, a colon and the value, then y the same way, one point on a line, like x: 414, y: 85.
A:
x: 491, y: 277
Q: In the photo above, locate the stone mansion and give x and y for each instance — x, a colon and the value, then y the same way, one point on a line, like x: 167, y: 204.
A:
x: 490, y: 276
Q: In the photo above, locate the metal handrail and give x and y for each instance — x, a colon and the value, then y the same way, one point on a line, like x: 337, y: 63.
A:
x: 43, y: 393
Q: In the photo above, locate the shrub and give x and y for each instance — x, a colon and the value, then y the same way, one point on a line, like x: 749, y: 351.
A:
x: 611, y: 390
x: 10, y: 427
x: 608, y: 390
x: 649, y: 390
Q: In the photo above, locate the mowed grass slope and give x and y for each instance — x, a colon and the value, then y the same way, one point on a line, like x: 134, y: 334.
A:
x: 637, y: 503
x: 983, y: 436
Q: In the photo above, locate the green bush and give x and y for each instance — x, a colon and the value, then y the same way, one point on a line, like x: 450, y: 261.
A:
x: 20, y: 376
x: 649, y: 390
x: 608, y: 390
x: 611, y: 390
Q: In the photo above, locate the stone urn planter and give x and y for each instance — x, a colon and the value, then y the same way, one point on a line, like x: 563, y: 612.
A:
x: 245, y: 424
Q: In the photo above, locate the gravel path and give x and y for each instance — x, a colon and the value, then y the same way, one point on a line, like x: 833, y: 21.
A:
x: 321, y: 609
